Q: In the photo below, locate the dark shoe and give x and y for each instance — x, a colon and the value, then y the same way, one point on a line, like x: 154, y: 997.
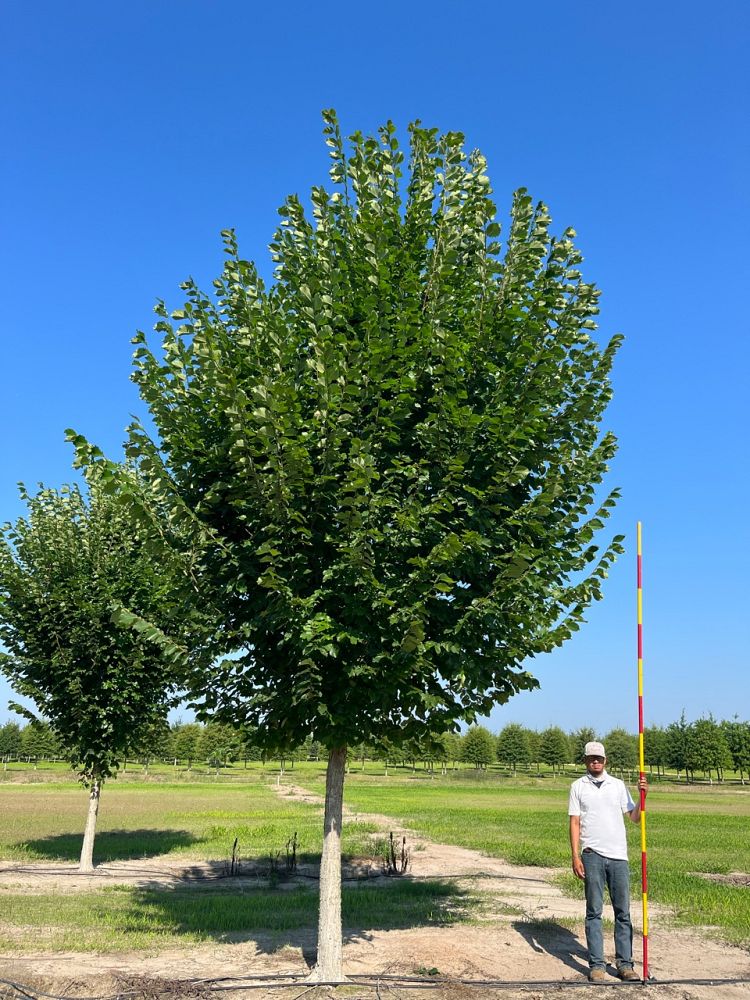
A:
x: 598, y: 975
x: 628, y: 974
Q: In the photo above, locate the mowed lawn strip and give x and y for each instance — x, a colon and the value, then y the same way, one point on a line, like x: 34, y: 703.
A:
x: 123, y: 918
x: 44, y: 822
x: 189, y: 822
x: 688, y: 832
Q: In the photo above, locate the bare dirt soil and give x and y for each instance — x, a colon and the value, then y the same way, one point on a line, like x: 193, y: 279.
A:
x: 529, y: 942
x: 733, y: 878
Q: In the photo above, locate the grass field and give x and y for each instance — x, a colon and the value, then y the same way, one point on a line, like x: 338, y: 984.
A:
x: 121, y: 918
x: 144, y: 819
x: 689, y: 831
x: 43, y: 822
x: 523, y: 820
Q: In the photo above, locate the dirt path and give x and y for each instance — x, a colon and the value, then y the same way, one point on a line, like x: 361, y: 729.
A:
x: 529, y: 933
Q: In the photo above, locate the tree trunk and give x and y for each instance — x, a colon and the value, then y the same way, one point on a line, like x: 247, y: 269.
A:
x: 87, y: 850
x: 330, y: 945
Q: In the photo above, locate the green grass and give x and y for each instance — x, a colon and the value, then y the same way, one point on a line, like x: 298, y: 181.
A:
x: 689, y: 831
x: 694, y: 901
x: 528, y: 824
x: 524, y: 820
x: 138, y: 820
x: 122, y: 918
x: 522, y: 824
x: 188, y: 822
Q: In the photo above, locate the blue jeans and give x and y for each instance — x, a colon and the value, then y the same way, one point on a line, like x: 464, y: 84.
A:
x: 601, y: 871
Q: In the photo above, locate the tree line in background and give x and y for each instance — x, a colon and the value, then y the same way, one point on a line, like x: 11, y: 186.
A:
x: 703, y: 747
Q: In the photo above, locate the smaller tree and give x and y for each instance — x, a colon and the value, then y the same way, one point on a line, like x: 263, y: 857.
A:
x: 291, y: 754
x: 737, y: 736
x: 361, y: 752
x: 88, y: 622
x: 534, y: 740
x: 711, y: 750
x: 10, y: 739
x: 478, y: 747
x: 512, y: 746
x: 655, y: 748
x: 220, y: 744
x: 386, y: 751
x: 452, y: 743
x: 412, y: 750
x: 441, y: 749
x: 680, y: 740
x: 622, y: 750
x: 39, y: 741
x: 153, y: 742
x: 249, y: 748
x: 185, y: 742
x: 554, y: 748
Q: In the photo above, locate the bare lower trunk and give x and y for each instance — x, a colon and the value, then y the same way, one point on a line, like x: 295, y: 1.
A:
x: 328, y: 968
x: 87, y: 851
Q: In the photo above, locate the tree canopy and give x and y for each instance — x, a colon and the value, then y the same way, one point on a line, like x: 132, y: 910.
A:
x: 89, y: 621
x: 513, y: 745
x: 388, y: 461
x: 622, y: 749
x: 388, y: 457
x: 478, y: 747
x: 554, y: 747
x: 65, y: 571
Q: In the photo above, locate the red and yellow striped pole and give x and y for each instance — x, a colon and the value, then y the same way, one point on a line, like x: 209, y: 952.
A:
x: 641, y: 755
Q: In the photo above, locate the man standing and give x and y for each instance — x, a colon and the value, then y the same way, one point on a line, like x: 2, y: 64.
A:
x: 598, y: 845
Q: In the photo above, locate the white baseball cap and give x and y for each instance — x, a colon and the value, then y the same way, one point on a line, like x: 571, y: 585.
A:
x: 594, y: 749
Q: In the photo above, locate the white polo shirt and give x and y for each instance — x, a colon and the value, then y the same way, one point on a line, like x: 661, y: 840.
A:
x: 601, y: 811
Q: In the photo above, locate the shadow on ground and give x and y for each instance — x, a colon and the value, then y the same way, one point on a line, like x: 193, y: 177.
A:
x: 273, y: 918
x: 112, y: 845
x: 556, y: 940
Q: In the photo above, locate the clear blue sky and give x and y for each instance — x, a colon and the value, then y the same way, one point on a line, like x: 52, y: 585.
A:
x: 133, y: 133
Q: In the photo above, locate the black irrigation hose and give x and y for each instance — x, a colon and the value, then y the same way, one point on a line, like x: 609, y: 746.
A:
x: 287, y: 981
x: 33, y: 993
x: 408, y: 982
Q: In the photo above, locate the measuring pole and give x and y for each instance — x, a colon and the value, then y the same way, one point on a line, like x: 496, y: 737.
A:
x: 642, y: 762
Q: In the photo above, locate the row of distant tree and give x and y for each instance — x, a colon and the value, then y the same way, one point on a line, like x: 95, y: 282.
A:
x: 704, y: 746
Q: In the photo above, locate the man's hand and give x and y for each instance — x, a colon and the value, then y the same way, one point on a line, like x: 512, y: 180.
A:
x: 578, y: 869
x: 635, y: 814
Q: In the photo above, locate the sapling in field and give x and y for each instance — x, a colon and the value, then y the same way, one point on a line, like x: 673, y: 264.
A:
x: 76, y: 580
x: 388, y: 458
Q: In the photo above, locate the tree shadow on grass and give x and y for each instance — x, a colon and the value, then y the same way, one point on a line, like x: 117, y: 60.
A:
x: 111, y: 845
x: 275, y: 918
x: 556, y: 940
